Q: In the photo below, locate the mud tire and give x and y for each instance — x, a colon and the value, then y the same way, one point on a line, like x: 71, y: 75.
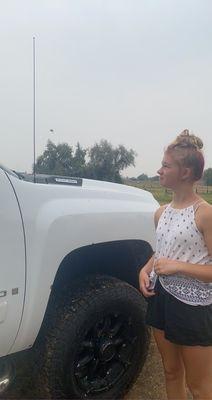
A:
x: 101, y: 318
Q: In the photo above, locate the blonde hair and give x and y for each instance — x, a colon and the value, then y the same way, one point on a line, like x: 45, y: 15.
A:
x: 187, y: 149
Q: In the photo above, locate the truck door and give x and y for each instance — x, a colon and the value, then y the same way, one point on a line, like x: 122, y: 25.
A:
x: 12, y: 265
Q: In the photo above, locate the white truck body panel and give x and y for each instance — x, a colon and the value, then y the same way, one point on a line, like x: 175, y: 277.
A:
x: 12, y: 267
x: 59, y: 219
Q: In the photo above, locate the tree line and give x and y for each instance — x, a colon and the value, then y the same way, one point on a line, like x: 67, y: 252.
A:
x: 101, y: 161
x: 206, y: 179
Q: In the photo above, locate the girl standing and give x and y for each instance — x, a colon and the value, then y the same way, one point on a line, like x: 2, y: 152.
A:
x: 180, y: 304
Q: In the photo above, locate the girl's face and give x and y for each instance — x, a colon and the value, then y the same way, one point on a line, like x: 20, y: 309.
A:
x: 171, y: 173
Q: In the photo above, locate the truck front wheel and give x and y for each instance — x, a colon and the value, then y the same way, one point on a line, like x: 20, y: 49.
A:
x: 98, y: 341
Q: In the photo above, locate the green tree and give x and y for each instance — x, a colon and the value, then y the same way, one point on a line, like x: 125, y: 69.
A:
x: 55, y: 160
x: 154, y: 178
x: 142, y: 177
x: 103, y: 161
x: 79, y: 162
x: 207, y: 177
x: 106, y: 162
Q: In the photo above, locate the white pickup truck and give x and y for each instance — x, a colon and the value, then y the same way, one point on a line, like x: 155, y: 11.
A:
x: 71, y: 250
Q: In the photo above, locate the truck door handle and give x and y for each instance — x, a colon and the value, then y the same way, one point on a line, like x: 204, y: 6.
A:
x: 3, y: 293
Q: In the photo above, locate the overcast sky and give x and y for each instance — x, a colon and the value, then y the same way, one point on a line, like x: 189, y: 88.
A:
x: 134, y: 72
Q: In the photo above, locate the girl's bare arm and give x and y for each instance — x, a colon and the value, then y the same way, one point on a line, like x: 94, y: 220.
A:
x: 144, y: 281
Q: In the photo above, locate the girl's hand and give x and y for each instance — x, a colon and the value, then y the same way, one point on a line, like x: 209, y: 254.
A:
x: 165, y: 266
x: 144, y: 283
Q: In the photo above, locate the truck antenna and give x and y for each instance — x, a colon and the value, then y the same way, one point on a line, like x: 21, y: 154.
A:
x: 34, y: 87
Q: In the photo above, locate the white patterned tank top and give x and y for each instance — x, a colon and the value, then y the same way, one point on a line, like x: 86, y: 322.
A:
x: 178, y: 238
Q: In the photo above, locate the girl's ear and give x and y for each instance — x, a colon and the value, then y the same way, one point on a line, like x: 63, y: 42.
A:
x: 186, y: 173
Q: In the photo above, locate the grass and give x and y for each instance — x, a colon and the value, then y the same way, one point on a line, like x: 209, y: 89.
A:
x: 164, y: 196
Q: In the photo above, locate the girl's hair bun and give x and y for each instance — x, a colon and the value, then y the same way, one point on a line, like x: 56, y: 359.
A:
x: 185, y: 139
x: 187, y: 151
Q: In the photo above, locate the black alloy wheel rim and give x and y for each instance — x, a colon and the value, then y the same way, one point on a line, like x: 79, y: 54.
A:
x: 105, y: 354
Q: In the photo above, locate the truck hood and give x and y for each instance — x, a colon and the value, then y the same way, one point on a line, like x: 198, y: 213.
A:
x: 119, y: 190
x: 87, y: 188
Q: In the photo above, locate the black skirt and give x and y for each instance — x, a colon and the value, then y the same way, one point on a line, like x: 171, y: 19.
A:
x: 182, y: 323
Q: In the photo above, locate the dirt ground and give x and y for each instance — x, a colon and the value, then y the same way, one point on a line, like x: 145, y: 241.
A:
x: 150, y: 384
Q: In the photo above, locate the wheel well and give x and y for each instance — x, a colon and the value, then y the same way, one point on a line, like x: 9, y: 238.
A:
x: 120, y: 259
